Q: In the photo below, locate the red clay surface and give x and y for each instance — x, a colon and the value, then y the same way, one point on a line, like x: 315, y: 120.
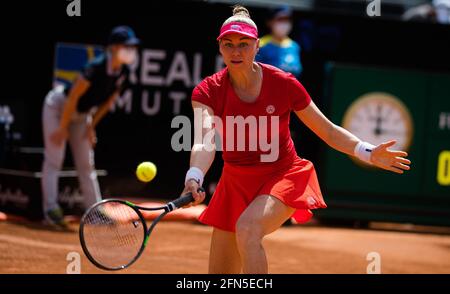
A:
x: 27, y: 247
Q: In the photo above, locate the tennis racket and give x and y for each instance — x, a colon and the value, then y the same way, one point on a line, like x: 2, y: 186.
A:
x: 113, y: 232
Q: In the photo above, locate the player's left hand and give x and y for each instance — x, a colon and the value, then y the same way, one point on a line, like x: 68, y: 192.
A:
x: 391, y: 160
x: 91, y: 135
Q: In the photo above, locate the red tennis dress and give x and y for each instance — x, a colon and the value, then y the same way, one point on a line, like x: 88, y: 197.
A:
x: 266, y: 161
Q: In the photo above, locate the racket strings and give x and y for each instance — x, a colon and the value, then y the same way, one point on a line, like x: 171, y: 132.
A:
x: 113, y: 234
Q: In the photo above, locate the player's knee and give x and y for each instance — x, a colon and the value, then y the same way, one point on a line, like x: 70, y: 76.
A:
x: 53, y: 163
x: 86, y: 169
x: 248, y: 232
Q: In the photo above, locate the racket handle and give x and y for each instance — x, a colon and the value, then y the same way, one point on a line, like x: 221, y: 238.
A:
x: 183, y: 200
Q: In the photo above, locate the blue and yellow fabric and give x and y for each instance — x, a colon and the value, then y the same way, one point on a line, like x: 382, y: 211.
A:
x: 285, y: 56
x: 70, y: 60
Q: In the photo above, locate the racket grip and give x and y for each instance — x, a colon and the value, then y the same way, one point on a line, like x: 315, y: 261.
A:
x: 183, y: 200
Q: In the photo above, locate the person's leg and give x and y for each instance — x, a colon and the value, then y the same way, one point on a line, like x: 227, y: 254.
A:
x: 224, y: 256
x: 83, y: 155
x: 263, y: 216
x: 53, y: 155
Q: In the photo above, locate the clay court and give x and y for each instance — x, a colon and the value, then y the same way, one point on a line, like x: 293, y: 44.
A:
x: 27, y: 247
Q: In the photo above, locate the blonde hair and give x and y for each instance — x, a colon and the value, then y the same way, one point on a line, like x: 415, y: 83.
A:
x: 240, y: 14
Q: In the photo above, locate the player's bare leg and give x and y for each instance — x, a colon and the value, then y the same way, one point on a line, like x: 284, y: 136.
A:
x: 224, y: 256
x: 263, y: 216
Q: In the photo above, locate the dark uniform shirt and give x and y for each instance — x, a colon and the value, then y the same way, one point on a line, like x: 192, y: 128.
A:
x: 104, y: 82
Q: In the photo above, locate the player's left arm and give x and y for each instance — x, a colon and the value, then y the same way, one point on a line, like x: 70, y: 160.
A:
x: 102, y: 110
x: 345, y: 142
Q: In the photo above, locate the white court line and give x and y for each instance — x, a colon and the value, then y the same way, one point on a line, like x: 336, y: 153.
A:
x: 31, y: 174
x: 37, y: 243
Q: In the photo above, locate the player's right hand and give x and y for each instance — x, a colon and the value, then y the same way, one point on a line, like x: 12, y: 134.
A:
x: 192, y: 187
x: 59, y: 136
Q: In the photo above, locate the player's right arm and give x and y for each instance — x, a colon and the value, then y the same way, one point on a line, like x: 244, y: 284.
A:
x: 78, y: 89
x: 204, y: 150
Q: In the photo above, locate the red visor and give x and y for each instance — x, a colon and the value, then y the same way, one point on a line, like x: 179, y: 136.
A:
x: 241, y: 28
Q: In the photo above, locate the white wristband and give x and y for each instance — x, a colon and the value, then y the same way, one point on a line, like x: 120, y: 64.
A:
x: 195, y: 174
x: 363, y: 151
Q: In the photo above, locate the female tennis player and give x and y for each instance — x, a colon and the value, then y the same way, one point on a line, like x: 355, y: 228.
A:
x: 73, y: 113
x: 253, y: 197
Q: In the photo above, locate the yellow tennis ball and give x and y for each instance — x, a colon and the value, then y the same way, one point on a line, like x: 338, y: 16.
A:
x: 146, y: 171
